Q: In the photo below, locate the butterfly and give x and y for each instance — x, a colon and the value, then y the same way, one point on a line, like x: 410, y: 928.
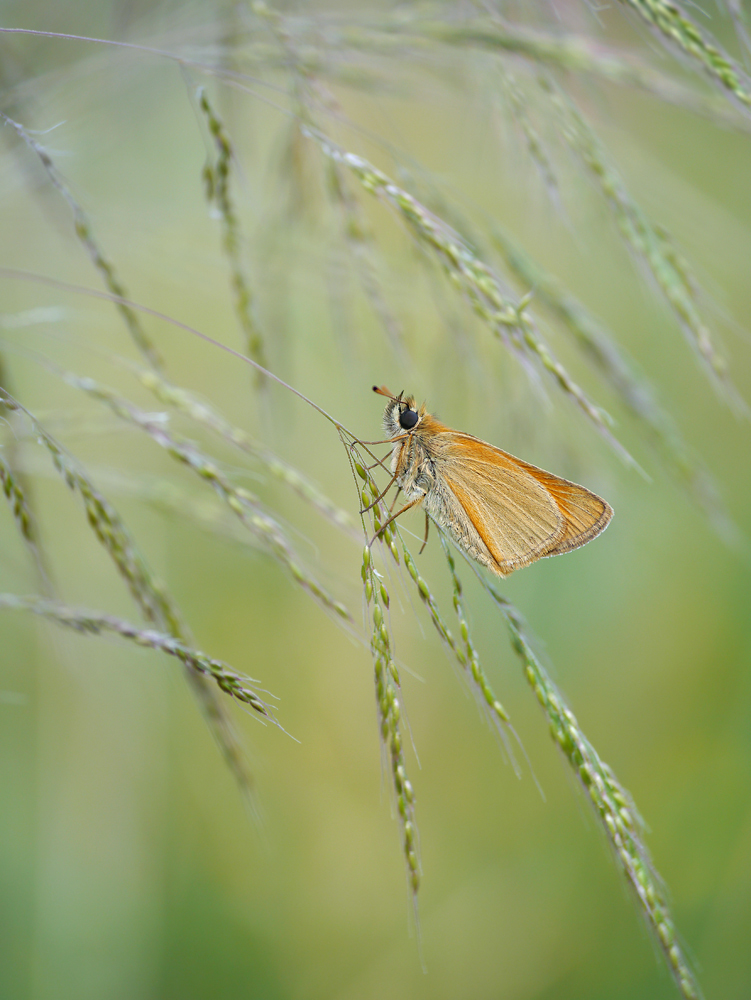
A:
x: 502, y: 511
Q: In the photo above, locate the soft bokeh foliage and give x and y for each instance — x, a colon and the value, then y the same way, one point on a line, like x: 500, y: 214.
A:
x: 550, y: 147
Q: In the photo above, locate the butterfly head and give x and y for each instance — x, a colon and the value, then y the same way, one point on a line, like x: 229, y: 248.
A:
x: 401, y: 415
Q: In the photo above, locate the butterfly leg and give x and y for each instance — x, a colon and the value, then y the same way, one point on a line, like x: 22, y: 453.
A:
x: 382, y: 494
x: 393, y: 517
x: 425, y: 540
x: 379, y: 462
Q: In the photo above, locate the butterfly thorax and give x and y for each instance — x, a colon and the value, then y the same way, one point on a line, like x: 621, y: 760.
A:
x: 418, y: 452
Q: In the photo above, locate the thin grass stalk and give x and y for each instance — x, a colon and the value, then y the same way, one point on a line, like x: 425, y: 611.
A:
x: 387, y: 691
x: 386, y: 674
x: 359, y: 239
x: 465, y: 653
x: 571, y: 53
x: 216, y: 178
x: 622, y: 375
x: 19, y: 492
x: 486, y: 696
x: 83, y: 230
x: 203, y: 413
x: 149, y: 593
x: 206, y: 512
x: 16, y: 497
x: 507, y: 319
x: 235, y: 685
x: 518, y: 106
x: 740, y: 23
x: 612, y: 803
x: 649, y: 243
x: 240, y: 501
x: 677, y: 29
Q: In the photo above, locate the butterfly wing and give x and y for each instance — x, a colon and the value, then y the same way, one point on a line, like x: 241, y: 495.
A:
x: 516, y: 518
x: 585, y: 514
x: 520, y: 512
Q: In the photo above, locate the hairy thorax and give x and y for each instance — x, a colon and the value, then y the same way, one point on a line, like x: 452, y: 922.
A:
x: 417, y: 461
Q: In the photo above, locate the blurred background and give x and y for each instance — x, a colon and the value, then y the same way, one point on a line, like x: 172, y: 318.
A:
x: 130, y: 865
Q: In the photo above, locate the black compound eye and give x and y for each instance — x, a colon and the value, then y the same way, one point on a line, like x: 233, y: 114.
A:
x: 407, y: 419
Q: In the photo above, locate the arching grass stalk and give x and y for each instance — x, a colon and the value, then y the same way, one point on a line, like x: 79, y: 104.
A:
x: 15, y: 496
x: 612, y: 803
x: 677, y: 29
x: 216, y: 177
x: 149, y: 594
x: 648, y: 242
x: 575, y: 54
x: 245, y: 505
x: 507, y: 319
x: 83, y: 230
x: 622, y: 375
x: 387, y: 684
x: 236, y: 685
x: 203, y: 413
x: 464, y: 652
x: 469, y: 659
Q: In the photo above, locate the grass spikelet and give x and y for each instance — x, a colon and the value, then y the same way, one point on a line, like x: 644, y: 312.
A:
x: 387, y: 684
x: 206, y: 512
x: 612, y: 803
x: 387, y: 691
x: 85, y: 234
x: 371, y: 497
x: 18, y: 488
x: 577, y: 54
x: 148, y: 593
x: 464, y: 652
x: 217, y: 187
x: 16, y: 498
x: 679, y: 30
x: 235, y: 685
x: 386, y: 675
x: 472, y: 665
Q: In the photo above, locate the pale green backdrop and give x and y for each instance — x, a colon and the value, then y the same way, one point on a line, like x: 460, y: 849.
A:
x: 129, y: 865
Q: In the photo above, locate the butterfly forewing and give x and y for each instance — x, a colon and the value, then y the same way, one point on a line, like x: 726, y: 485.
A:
x: 515, y: 516
x: 520, y: 511
x: 585, y: 514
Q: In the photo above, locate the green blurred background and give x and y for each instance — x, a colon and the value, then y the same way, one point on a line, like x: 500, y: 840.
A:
x: 129, y: 866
